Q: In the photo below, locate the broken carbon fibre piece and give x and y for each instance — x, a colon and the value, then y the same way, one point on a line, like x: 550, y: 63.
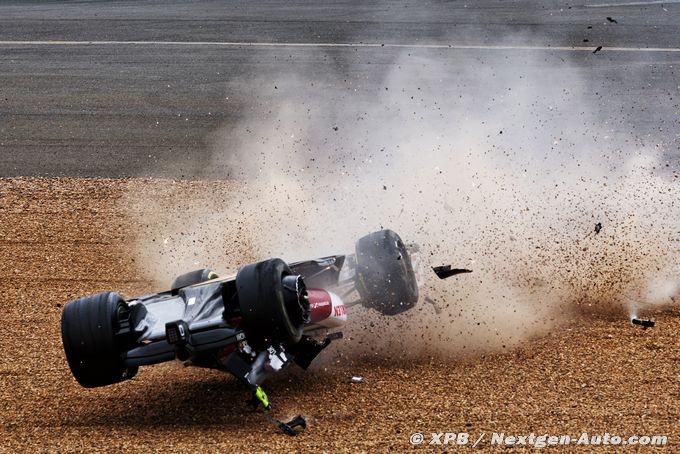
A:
x: 644, y: 323
x: 259, y: 396
x: 445, y: 271
x: 288, y: 427
x: 598, y: 227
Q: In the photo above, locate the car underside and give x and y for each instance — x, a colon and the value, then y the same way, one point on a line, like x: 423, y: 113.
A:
x: 252, y: 324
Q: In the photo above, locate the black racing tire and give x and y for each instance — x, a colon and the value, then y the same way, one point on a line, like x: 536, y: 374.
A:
x: 272, y: 313
x: 87, y: 331
x: 192, y: 278
x: 385, y: 278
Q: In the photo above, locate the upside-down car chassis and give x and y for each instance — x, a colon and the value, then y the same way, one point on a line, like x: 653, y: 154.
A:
x: 266, y: 317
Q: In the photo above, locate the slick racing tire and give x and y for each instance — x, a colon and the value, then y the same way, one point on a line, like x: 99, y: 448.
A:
x: 385, y: 278
x: 87, y: 330
x: 273, y: 313
x: 192, y: 278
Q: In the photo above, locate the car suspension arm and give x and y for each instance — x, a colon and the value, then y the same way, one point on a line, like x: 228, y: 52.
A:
x: 259, y: 396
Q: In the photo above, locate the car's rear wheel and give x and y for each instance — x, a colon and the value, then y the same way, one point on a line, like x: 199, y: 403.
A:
x: 192, y: 278
x: 88, y: 328
x: 385, y: 278
x: 273, y: 303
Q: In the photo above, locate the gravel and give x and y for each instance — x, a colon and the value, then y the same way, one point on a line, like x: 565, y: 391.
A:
x: 63, y: 238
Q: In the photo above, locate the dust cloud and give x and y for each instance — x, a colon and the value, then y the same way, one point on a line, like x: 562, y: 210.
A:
x: 502, y: 166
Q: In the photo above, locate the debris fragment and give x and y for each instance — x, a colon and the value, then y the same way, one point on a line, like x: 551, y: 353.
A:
x: 613, y: 21
x: 445, y: 271
x: 643, y: 323
x: 335, y: 128
x: 357, y: 379
x: 598, y: 227
x: 599, y: 48
x: 437, y: 309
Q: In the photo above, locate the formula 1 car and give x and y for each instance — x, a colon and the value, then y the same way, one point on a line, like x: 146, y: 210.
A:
x: 266, y: 317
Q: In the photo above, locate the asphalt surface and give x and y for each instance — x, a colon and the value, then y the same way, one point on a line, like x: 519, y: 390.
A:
x: 118, y: 109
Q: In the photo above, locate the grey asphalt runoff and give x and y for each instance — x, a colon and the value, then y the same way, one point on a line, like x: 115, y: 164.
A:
x: 117, y: 89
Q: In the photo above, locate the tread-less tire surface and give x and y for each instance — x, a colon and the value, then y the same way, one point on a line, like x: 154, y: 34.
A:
x: 271, y: 313
x: 385, y: 277
x: 87, y: 331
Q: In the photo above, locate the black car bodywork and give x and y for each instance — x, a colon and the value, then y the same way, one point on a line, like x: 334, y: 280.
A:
x: 269, y: 315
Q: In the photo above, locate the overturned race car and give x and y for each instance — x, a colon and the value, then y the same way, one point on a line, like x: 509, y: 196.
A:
x: 266, y: 317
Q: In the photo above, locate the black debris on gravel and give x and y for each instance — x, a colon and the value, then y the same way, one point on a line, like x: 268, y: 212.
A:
x: 643, y: 323
x: 445, y: 271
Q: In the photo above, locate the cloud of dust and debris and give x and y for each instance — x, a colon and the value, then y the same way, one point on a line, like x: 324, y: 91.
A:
x: 504, y: 168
